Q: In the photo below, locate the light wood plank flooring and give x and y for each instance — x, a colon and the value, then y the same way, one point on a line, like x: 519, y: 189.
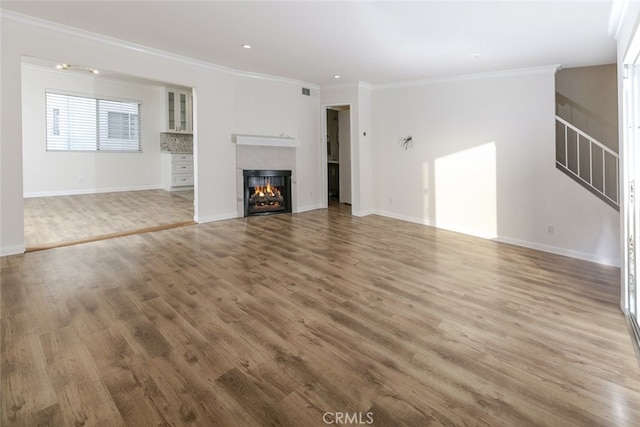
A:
x: 279, y: 320
x: 52, y: 220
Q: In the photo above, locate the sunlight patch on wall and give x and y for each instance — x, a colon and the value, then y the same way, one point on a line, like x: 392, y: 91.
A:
x: 465, y: 191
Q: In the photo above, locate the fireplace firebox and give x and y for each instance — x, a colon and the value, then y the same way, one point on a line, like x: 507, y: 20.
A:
x: 267, y: 192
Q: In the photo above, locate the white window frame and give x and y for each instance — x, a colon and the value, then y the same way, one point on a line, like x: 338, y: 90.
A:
x: 84, y: 122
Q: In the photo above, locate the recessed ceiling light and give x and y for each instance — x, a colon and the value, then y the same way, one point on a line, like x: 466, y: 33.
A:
x: 77, y: 68
x: 474, y: 55
x: 246, y: 46
x: 336, y: 76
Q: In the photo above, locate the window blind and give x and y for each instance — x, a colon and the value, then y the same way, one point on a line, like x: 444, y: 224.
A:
x: 78, y: 123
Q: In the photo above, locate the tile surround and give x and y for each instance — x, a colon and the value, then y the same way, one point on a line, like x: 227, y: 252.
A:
x: 264, y: 157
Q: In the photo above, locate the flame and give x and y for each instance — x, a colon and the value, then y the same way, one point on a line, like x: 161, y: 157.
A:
x: 267, y: 190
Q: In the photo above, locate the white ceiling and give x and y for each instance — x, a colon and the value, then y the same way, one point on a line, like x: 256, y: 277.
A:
x: 371, y: 41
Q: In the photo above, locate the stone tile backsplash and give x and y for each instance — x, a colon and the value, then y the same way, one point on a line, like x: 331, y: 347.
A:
x: 176, y: 142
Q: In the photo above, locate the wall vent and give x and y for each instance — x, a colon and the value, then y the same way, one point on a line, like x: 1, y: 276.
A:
x: 306, y: 91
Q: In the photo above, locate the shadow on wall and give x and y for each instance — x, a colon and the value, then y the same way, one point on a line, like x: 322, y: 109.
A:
x: 465, y: 195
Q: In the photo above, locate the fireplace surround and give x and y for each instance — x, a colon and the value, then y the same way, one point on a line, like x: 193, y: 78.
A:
x: 266, y: 192
x: 269, y: 153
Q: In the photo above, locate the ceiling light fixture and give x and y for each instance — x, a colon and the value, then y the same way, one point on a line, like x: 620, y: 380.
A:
x: 474, y: 55
x: 77, y: 68
x: 246, y: 46
x: 336, y: 76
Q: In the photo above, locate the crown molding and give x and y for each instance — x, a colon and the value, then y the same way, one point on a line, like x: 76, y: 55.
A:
x: 616, y: 17
x: 138, y: 81
x: 112, y: 41
x: 466, y: 77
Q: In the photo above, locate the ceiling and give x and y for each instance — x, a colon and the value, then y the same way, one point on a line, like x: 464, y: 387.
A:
x: 371, y: 41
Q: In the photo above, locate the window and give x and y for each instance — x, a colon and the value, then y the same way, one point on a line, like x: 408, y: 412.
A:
x: 56, y: 121
x: 79, y: 123
x: 122, y: 125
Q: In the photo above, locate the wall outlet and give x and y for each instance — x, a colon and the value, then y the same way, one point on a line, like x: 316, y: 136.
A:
x: 550, y: 229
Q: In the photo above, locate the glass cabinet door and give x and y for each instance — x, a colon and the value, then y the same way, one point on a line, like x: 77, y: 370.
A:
x: 178, y: 110
x: 183, y: 112
x: 171, y: 110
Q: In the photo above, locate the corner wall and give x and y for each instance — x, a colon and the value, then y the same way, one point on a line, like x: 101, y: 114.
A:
x: 483, y: 163
x: 589, y: 100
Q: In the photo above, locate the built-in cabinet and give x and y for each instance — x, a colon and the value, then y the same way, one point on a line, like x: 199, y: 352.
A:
x: 179, y: 110
x: 177, y: 171
x: 176, y: 144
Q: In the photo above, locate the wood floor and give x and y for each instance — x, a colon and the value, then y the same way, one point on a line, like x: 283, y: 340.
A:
x: 50, y: 221
x: 305, y: 319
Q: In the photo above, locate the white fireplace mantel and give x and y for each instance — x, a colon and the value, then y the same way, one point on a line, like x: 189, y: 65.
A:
x: 265, y: 141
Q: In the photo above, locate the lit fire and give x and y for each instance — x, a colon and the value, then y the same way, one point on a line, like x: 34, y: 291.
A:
x: 266, y: 197
x: 267, y: 190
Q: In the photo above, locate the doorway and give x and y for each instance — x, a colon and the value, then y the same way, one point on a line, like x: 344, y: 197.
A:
x: 81, y: 194
x: 338, y: 150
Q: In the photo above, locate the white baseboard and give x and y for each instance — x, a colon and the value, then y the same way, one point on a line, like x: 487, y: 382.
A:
x: 309, y: 208
x: 426, y: 221
x: 416, y: 220
x: 90, y: 191
x: 363, y: 213
x: 12, y: 250
x: 212, y: 218
x: 509, y: 240
x: 560, y: 251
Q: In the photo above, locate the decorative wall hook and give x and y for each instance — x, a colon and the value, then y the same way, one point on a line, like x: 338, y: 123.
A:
x: 406, y: 142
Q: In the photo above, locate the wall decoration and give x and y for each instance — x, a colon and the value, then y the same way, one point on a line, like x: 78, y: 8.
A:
x: 406, y: 142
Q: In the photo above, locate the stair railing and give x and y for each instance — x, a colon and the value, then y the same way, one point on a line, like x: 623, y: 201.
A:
x: 572, y: 162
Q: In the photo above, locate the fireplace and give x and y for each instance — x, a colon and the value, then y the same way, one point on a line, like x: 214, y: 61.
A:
x: 266, y: 192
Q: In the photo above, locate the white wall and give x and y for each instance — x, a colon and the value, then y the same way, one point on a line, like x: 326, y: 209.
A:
x: 274, y: 108
x: 54, y: 173
x: 363, y: 152
x: 344, y: 137
x: 309, y: 154
x: 482, y: 163
x: 11, y: 201
x: 219, y: 113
